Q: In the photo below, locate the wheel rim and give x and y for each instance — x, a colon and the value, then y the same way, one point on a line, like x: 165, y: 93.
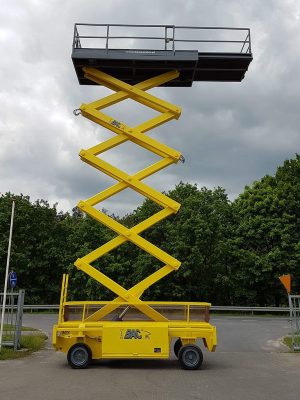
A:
x: 79, y: 356
x: 191, y: 357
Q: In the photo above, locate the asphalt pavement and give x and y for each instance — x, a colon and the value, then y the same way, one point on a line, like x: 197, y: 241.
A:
x: 249, y: 363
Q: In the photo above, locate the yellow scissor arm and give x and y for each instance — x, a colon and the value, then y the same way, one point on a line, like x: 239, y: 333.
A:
x: 94, y: 112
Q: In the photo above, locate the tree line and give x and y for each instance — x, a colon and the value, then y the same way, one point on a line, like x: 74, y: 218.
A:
x: 232, y: 252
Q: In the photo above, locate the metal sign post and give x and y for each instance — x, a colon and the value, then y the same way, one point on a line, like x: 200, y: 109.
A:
x: 6, y: 272
x: 294, y: 305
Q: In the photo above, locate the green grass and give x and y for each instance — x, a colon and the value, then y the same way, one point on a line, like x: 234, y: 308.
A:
x: 287, y: 340
x: 33, y: 342
x: 11, y: 327
x: 29, y: 344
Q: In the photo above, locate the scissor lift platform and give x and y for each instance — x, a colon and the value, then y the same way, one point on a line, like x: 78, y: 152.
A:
x: 133, y: 65
x: 127, y: 326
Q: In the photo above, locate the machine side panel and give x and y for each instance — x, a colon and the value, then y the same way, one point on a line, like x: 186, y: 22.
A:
x: 135, y: 340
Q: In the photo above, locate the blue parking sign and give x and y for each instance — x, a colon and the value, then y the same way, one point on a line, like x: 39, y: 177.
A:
x: 12, y: 278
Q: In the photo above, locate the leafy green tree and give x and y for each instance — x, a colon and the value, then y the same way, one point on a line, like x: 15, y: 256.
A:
x: 37, y: 253
x: 231, y: 253
x: 268, y: 235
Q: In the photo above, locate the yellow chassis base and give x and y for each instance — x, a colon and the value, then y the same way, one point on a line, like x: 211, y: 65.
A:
x: 131, y: 339
x: 133, y: 336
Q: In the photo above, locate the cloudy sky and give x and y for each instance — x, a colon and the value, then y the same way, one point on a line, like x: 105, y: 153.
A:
x: 230, y: 133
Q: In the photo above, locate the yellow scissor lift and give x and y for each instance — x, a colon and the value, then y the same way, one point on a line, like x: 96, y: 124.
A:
x: 128, y: 327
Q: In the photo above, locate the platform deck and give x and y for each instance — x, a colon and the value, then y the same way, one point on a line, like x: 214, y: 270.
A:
x: 133, y: 64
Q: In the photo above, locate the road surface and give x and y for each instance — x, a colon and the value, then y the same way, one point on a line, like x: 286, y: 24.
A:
x: 249, y: 363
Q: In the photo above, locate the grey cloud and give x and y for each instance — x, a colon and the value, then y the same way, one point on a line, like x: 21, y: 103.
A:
x: 230, y: 133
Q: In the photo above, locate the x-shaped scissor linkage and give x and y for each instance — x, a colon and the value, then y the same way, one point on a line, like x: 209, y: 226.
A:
x: 169, y: 156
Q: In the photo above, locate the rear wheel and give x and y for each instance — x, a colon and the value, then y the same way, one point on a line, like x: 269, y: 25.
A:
x: 79, y: 356
x: 190, y: 357
x: 177, y: 346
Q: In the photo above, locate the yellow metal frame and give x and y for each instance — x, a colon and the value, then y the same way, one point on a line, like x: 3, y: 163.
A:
x: 93, y: 111
x: 93, y: 329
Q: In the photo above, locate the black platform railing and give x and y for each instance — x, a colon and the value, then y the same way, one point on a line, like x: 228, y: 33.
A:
x: 170, y: 37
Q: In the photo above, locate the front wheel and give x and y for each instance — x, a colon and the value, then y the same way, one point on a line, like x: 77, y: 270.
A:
x: 79, y: 356
x: 190, y: 357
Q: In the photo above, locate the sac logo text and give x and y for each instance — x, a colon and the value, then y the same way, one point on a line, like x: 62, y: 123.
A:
x: 135, y: 334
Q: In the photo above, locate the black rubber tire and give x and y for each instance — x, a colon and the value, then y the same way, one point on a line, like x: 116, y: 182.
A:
x: 79, y: 356
x: 177, y: 346
x: 190, y: 356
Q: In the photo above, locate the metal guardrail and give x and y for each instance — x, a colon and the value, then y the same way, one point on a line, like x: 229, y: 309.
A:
x: 251, y: 309
x: 54, y: 307
x: 168, y: 36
